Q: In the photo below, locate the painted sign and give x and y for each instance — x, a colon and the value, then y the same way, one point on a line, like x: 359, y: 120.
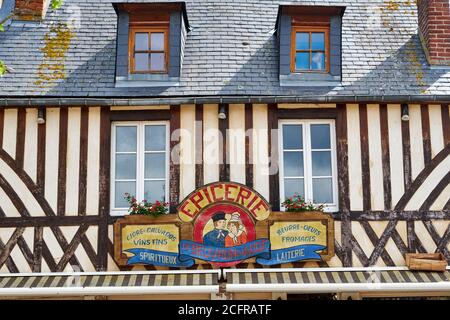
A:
x: 155, y: 244
x: 219, y: 192
x: 224, y: 224
x: 224, y: 231
x: 300, y: 236
x: 295, y: 241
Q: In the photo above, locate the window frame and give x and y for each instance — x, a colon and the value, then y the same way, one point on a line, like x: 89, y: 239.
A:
x: 149, y: 29
x: 310, y: 30
x: 307, y: 159
x: 140, y: 161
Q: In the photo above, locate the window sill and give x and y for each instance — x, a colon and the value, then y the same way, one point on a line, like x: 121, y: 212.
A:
x: 118, y: 213
x: 309, y: 80
x: 147, y: 80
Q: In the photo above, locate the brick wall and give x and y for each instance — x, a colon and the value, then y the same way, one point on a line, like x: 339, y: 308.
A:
x: 434, y: 26
x: 31, y: 9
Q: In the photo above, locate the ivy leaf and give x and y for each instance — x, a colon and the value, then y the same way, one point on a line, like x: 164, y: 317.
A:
x: 56, y: 4
x: 3, y: 68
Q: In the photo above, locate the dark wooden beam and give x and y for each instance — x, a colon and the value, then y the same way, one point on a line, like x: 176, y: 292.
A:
x: 70, y: 250
x: 385, y: 156
x: 224, y: 166
x: 406, y: 145
x: 9, y: 261
x: 104, y: 187
x: 14, y: 197
x: 249, y: 145
x: 343, y: 182
x: 274, y: 176
x: 356, y: 248
x: 174, y: 162
x: 40, y: 170
x: 382, y: 242
x: 20, y: 136
x: 394, y: 215
x: 425, y: 116
x: 7, y: 248
x: 374, y: 239
x: 365, y: 161
x: 62, y: 162
x: 445, y: 123
x: 199, y: 177
x: 437, y: 191
x: 28, y: 222
x: 421, y: 178
x: 140, y: 115
x: 84, y: 133
x: 310, y: 113
x: 37, y: 249
x: 2, y: 124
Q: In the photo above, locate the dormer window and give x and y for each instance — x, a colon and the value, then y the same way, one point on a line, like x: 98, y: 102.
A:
x: 310, y: 46
x: 149, y: 49
x: 310, y: 49
x: 150, y: 43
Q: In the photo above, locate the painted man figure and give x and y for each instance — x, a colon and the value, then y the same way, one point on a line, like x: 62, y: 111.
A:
x: 216, y: 237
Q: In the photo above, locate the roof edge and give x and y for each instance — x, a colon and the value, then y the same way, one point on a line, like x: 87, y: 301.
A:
x: 181, y: 3
x: 118, y: 101
x: 338, y: 9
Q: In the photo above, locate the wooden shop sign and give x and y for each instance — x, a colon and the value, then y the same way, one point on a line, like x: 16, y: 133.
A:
x: 301, y: 236
x: 224, y: 223
x: 142, y: 240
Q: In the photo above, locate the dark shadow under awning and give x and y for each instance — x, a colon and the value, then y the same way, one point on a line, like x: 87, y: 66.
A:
x: 336, y: 280
x: 110, y: 283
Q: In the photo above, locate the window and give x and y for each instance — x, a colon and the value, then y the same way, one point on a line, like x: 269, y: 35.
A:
x: 310, y: 49
x: 149, y: 49
x: 140, y: 162
x: 308, y: 161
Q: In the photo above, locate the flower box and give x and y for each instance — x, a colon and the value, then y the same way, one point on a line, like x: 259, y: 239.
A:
x: 426, y: 261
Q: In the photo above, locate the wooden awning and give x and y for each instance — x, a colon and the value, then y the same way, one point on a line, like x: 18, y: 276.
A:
x: 110, y: 283
x: 335, y: 280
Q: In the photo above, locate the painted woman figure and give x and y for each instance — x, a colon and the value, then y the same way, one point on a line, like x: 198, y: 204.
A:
x: 237, y: 235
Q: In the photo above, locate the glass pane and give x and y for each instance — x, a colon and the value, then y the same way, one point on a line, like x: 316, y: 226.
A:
x: 155, y: 191
x: 121, y: 189
x: 157, y: 62
x: 141, y: 41
x: 126, y: 139
x: 292, y: 137
x: 302, y: 61
x: 318, y: 61
x: 141, y: 62
x: 322, y: 191
x: 293, y: 164
x: 320, y: 136
x: 155, y: 166
x: 302, y: 41
x: 125, y: 166
x: 318, y: 41
x: 293, y: 186
x: 321, y: 163
x: 155, y: 138
x: 157, y: 41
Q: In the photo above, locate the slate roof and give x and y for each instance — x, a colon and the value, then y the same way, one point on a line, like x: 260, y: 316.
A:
x: 382, y: 54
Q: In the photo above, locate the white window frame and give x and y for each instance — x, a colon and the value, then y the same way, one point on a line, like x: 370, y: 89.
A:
x: 307, y: 160
x: 140, y: 166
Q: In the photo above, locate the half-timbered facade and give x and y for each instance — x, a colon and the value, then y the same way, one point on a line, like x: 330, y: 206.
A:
x: 384, y: 169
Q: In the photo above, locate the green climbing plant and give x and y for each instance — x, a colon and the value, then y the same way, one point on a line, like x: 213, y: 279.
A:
x: 56, y: 4
x: 3, y: 67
